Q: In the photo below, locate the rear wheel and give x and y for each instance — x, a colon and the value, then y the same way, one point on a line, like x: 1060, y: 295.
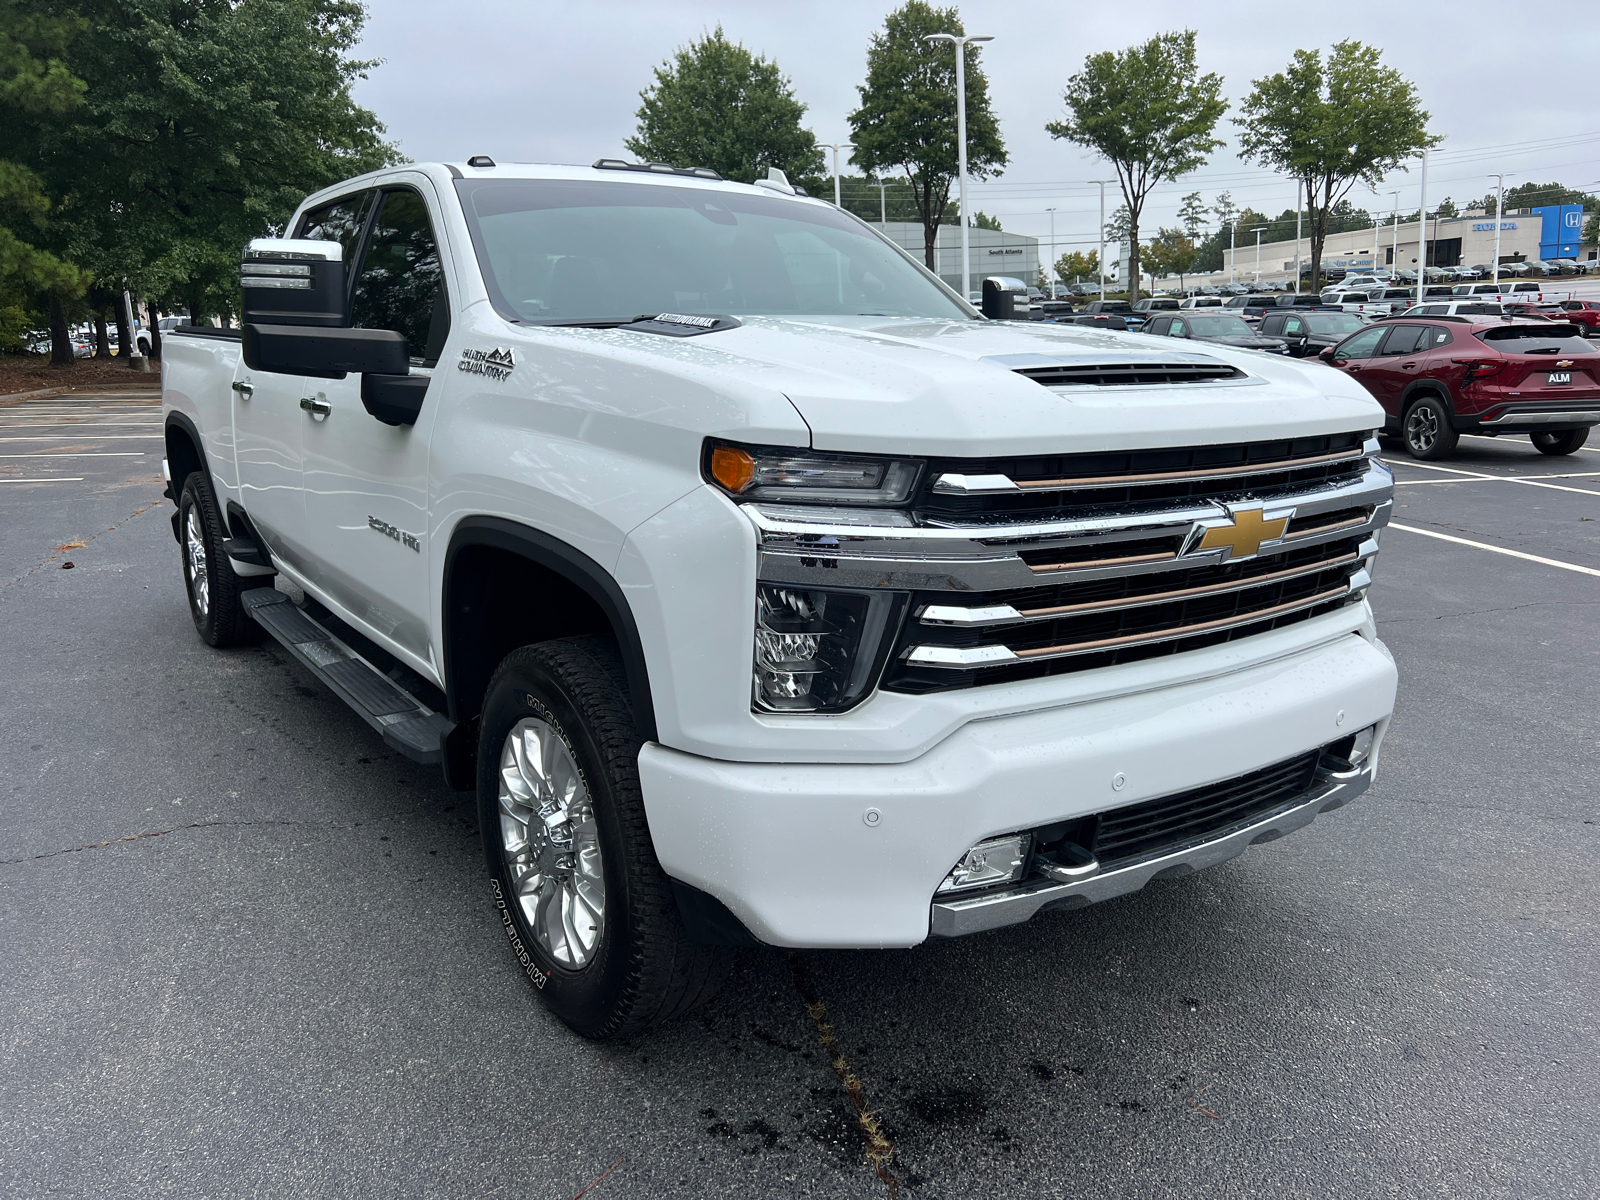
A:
x: 586, y: 907
x: 1565, y: 441
x: 1427, y: 431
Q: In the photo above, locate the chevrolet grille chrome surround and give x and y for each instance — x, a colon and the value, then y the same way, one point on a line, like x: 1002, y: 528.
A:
x: 841, y: 549
x: 979, y: 485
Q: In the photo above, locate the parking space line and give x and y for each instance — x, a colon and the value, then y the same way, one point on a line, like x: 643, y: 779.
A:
x: 92, y: 437
x: 1445, y: 537
x: 49, y: 479
x: 80, y: 454
x: 1554, y: 487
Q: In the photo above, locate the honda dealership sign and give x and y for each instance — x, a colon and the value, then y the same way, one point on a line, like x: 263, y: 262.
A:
x: 1562, y: 230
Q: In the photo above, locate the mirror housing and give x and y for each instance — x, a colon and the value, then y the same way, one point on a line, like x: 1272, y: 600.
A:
x: 1326, y: 354
x: 394, y: 399
x: 288, y: 281
x: 999, y: 297
x: 325, y: 353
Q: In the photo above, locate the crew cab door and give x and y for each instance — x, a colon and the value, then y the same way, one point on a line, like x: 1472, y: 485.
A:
x: 366, y: 482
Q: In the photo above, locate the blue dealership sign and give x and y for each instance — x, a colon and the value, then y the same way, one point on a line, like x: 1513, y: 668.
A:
x: 1562, y: 231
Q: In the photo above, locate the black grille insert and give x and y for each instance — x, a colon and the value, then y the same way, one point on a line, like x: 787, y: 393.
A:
x: 1124, y: 374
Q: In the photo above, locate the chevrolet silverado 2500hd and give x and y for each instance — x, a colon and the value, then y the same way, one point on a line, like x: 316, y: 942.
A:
x: 762, y: 588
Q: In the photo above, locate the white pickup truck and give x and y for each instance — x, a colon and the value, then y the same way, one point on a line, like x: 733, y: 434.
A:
x: 763, y: 589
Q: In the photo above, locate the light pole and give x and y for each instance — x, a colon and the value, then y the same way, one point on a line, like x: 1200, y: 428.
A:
x: 960, y: 43
x: 1101, y: 261
x: 836, y: 147
x: 1395, y: 255
x: 1422, y: 231
x: 1258, y: 229
x: 883, y: 204
x: 1499, y: 219
x: 1298, y: 184
x: 1052, y: 213
x: 1233, y: 244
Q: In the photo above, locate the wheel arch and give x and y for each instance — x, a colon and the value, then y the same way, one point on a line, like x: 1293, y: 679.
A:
x: 184, y: 456
x: 560, y: 591
x: 1419, y: 388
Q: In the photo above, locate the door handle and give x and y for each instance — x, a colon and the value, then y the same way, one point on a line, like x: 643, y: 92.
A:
x: 318, y: 405
x: 244, y: 389
x: 1408, y: 366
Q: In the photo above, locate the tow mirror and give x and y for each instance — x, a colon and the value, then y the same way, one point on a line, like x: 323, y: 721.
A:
x: 325, y: 353
x: 999, y: 297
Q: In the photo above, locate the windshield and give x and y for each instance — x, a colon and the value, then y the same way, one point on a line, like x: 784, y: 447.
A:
x: 1219, y: 325
x: 1336, y: 324
x: 580, y: 251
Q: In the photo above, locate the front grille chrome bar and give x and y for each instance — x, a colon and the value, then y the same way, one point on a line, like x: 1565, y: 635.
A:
x: 965, y: 658
x: 981, y: 485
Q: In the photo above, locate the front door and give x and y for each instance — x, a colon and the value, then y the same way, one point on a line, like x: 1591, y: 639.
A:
x: 366, y: 483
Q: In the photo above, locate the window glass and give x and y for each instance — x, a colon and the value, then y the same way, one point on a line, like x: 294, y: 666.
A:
x: 339, y: 221
x: 1220, y: 325
x: 401, y: 283
x: 1434, y: 336
x: 1543, y: 338
x: 1402, y: 339
x: 583, y: 251
x: 1293, y: 326
x: 1179, y: 329
x: 1360, y: 346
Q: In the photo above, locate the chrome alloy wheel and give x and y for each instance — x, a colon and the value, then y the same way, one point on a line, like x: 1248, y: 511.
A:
x: 551, y: 842
x: 194, y: 554
x: 1422, y: 428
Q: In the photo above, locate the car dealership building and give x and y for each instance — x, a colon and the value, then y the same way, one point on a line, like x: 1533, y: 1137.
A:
x: 993, y: 252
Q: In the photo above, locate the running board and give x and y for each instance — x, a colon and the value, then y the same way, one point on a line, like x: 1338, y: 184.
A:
x: 405, y: 722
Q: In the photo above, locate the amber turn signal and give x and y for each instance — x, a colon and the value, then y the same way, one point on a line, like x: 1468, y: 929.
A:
x: 732, y: 468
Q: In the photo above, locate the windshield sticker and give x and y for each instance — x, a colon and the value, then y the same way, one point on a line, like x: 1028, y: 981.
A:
x: 494, y: 364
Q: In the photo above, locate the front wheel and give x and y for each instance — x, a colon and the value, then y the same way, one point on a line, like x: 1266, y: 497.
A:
x: 585, y: 905
x: 219, y: 616
x: 1427, y: 430
x: 1565, y: 441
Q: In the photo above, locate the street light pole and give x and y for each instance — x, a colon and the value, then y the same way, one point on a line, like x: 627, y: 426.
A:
x: 1052, y: 213
x: 1259, y: 228
x: 1422, y: 232
x: 836, y: 147
x: 1233, y: 244
x: 883, y: 204
x: 1298, y: 184
x: 1396, y: 254
x: 1499, y: 219
x: 1101, y: 261
x: 960, y: 43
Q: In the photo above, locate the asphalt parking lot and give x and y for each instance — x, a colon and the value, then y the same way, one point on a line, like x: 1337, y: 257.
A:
x: 248, y: 951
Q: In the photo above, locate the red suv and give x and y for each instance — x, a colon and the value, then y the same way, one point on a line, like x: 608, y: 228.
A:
x: 1440, y: 377
x: 1582, y: 312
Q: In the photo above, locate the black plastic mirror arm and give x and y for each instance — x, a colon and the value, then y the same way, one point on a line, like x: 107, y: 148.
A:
x: 394, y: 399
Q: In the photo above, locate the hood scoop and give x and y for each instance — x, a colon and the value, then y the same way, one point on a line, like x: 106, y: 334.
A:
x: 1125, y: 374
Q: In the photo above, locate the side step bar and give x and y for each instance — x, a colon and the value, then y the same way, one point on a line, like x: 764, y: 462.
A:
x: 404, y: 721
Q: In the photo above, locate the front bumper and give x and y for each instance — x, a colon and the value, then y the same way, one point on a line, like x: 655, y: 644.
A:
x: 850, y: 854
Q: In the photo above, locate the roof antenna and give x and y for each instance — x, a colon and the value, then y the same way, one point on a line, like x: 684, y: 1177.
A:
x: 480, y: 160
x: 777, y: 181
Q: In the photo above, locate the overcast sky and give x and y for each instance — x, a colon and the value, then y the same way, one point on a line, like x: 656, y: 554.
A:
x: 542, y: 82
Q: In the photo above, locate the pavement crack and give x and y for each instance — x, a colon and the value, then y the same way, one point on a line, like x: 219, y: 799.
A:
x: 879, y: 1148
x: 62, y: 549
x: 135, y: 837
x: 1478, y: 612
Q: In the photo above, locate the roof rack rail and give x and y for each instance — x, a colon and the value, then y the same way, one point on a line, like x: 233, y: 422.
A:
x: 618, y: 164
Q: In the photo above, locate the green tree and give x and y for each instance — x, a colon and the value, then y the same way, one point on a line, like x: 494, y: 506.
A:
x: 907, y: 119
x: 1331, y: 124
x: 982, y: 220
x: 1076, y: 265
x: 1192, y: 216
x: 1149, y: 112
x: 1537, y: 195
x: 36, y: 87
x: 714, y: 104
x: 1170, y: 253
x: 1118, y: 225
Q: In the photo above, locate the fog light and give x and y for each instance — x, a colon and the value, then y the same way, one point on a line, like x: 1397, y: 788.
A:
x: 998, y: 860
x: 1362, y: 746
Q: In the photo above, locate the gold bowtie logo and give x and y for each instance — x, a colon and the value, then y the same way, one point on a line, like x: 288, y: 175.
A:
x: 1245, y: 535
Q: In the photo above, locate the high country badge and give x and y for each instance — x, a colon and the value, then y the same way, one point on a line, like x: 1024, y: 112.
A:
x: 495, y: 364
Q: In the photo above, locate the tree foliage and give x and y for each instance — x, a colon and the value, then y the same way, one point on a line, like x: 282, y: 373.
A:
x: 1332, y: 124
x: 1192, y: 216
x: 907, y: 119
x: 1076, y: 265
x: 202, y: 124
x: 1170, y: 253
x: 982, y: 220
x: 714, y: 104
x: 860, y: 194
x: 1149, y: 112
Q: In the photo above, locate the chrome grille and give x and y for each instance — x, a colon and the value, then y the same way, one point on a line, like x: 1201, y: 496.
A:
x: 1004, y: 636
x: 1010, y: 489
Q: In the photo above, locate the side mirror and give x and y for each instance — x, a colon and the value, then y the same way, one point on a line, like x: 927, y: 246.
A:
x: 325, y: 353
x: 290, y: 281
x: 1326, y: 354
x: 1000, y: 293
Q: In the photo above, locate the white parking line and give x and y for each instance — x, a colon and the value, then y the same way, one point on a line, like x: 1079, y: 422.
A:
x: 91, y: 437
x: 1485, y: 438
x: 1445, y: 537
x: 80, y: 454
x: 51, y: 479
x: 1554, y: 487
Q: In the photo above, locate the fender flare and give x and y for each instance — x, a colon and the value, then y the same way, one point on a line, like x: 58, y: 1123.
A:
x: 1429, y: 387
x: 576, y: 568
x: 175, y: 485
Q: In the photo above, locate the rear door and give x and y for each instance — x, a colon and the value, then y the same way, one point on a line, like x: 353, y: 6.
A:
x: 366, y: 482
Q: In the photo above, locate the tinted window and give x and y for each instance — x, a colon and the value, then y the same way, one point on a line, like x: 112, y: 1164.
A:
x: 1159, y: 325
x: 1220, y: 325
x: 1537, y: 339
x: 401, y: 284
x: 340, y: 222
x: 1293, y: 326
x: 586, y: 250
x: 1179, y: 329
x: 1434, y: 336
x: 1360, y: 346
x: 1402, y: 339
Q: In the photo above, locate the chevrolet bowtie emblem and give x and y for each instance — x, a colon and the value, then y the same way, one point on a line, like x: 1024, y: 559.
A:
x: 1566, y: 362
x: 1243, y: 537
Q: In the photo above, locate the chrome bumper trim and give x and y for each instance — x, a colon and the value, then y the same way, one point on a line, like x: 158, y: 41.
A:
x: 1581, y: 417
x: 1012, y: 906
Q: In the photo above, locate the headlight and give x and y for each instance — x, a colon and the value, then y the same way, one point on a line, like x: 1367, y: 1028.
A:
x: 820, y: 650
x: 802, y: 476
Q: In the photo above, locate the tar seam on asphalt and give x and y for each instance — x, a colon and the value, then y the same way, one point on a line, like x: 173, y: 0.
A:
x: 879, y: 1148
x: 85, y: 542
x: 595, y: 1182
x: 134, y: 837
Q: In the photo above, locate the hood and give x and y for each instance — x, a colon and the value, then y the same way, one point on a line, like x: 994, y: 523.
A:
x: 943, y: 388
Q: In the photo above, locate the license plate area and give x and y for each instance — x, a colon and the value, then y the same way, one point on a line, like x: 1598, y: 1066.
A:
x: 1554, y: 378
